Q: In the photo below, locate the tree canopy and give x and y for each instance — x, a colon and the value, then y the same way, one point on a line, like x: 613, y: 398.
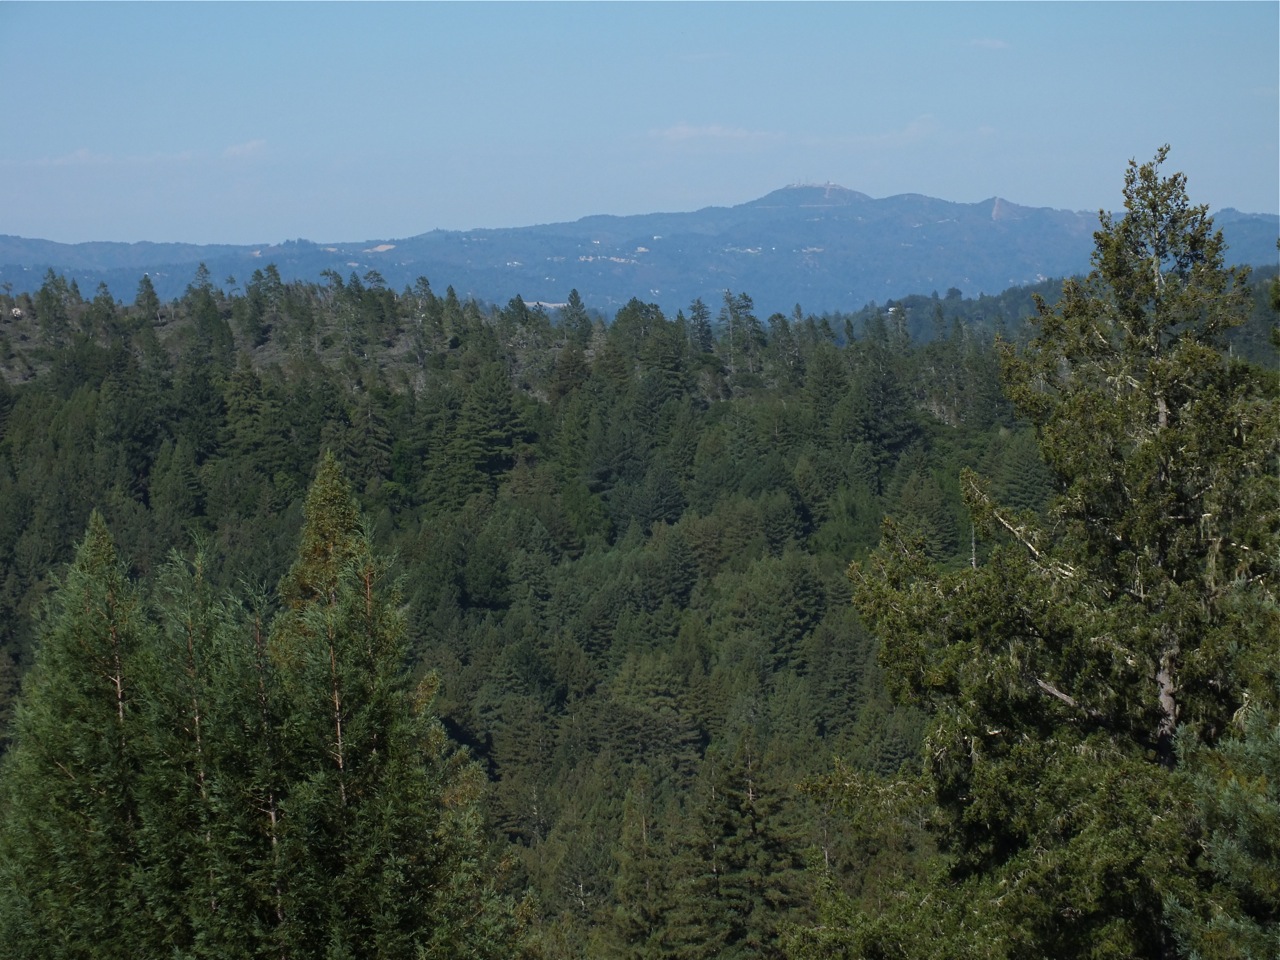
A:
x: 181, y: 784
x: 569, y: 627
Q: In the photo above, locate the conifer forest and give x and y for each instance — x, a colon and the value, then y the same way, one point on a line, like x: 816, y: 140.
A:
x: 340, y: 621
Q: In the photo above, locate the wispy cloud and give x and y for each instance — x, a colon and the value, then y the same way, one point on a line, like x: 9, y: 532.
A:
x: 78, y: 158
x: 989, y: 43
x: 686, y: 132
x: 238, y: 151
x: 84, y: 157
x: 918, y: 129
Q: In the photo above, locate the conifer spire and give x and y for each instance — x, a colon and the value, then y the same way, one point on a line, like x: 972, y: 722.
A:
x: 330, y: 537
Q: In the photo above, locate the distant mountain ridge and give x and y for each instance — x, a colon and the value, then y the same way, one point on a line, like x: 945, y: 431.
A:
x: 822, y: 246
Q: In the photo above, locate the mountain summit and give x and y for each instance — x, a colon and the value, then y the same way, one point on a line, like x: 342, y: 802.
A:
x: 811, y: 195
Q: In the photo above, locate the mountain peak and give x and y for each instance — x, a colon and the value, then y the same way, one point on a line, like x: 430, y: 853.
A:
x: 809, y: 195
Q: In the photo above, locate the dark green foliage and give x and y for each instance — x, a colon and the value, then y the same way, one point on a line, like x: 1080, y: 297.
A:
x: 641, y: 887
x: 53, y: 307
x: 738, y: 874
x: 199, y: 787
x: 146, y: 301
x: 576, y: 321
x: 1235, y: 786
x: 71, y: 851
x: 378, y: 827
x: 1017, y: 472
x: 620, y: 545
x: 923, y: 511
x: 1058, y: 670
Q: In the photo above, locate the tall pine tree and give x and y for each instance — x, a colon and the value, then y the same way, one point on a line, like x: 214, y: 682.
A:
x: 70, y: 846
x: 380, y: 827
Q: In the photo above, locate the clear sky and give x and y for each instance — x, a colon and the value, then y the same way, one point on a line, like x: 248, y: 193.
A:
x: 252, y: 123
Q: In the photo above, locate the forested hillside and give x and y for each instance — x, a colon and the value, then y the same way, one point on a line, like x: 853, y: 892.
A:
x: 824, y: 246
x: 615, y: 550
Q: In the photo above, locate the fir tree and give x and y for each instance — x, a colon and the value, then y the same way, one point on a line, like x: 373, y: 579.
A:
x: 71, y: 881
x: 379, y: 831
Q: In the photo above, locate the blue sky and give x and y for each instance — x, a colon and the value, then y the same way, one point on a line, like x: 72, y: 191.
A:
x: 249, y: 123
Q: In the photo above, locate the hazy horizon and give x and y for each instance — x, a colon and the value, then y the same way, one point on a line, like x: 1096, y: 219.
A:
x: 247, y: 123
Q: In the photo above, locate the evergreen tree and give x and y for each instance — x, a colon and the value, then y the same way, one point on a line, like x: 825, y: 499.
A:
x: 380, y: 830
x: 740, y: 868
x: 146, y: 301
x: 641, y: 890
x: 100, y: 320
x: 701, y: 337
x: 575, y: 321
x: 71, y: 878
x: 53, y: 307
x: 1236, y: 790
x: 1059, y: 670
x: 923, y: 510
x: 483, y: 445
x: 200, y: 789
x: 211, y: 772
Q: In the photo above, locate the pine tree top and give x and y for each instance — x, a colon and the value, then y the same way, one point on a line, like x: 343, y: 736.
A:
x: 330, y: 537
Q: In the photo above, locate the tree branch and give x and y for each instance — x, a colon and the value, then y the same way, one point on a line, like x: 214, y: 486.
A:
x: 1020, y: 534
x: 1093, y: 715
